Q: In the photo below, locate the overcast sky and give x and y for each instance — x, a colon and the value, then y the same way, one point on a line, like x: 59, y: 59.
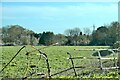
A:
x: 58, y: 16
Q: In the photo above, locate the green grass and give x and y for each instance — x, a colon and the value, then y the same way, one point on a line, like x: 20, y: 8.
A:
x: 57, y: 56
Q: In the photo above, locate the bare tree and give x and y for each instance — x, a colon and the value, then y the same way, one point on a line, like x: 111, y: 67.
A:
x: 72, y: 32
x: 73, y: 35
x: 87, y: 31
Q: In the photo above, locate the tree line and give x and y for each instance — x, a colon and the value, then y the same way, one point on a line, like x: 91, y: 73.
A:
x: 105, y: 35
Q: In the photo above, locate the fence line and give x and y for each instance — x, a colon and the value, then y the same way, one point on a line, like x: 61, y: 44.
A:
x: 100, y: 58
x: 118, y: 49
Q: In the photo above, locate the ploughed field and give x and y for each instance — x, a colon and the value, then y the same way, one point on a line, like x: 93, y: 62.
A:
x: 34, y: 66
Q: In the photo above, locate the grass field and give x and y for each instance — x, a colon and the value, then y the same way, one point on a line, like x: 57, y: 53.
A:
x: 23, y: 65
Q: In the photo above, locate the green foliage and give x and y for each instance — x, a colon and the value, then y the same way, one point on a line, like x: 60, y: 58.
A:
x: 106, y: 35
x: 17, y: 35
x: 116, y: 44
x: 112, y: 74
x: 47, y: 38
x: 86, y: 72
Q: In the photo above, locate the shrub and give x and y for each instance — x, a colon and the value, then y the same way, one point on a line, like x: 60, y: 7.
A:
x: 116, y: 45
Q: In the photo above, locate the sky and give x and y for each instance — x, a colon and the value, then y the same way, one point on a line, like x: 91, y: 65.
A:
x: 58, y: 16
x: 59, y: 0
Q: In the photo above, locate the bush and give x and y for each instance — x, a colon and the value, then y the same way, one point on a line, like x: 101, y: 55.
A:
x: 116, y: 45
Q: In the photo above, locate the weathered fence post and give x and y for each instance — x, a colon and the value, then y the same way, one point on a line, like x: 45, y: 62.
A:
x: 119, y: 60
x: 72, y: 63
x: 115, y: 62
x: 101, y: 67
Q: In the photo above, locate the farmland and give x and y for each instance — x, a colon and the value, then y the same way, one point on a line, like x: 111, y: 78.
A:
x: 23, y: 64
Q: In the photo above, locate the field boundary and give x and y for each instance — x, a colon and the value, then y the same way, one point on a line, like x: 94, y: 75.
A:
x: 49, y: 74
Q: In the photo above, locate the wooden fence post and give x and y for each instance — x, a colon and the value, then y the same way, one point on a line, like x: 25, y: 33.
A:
x: 72, y: 63
x: 119, y: 60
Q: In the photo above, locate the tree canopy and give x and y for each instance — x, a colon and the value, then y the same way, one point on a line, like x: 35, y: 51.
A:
x: 105, y: 35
